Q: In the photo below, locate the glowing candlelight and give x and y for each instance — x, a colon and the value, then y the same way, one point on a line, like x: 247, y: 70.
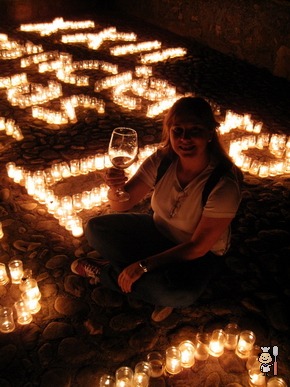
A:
x: 245, y: 344
x: 232, y: 334
x: 6, y: 319
x: 187, y: 350
x: 31, y: 301
x: 173, y: 360
x: 256, y: 378
x: 16, y: 271
x: 156, y: 361
x: 107, y: 380
x: 23, y: 314
x: 142, y: 374
x: 1, y: 231
x: 217, y: 343
x: 202, y: 346
x: 124, y: 377
x: 4, y: 279
x: 276, y: 382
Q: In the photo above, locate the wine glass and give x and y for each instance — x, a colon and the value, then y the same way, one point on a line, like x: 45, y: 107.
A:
x: 123, y: 149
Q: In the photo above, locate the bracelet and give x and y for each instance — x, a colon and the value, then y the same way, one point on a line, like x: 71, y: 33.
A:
x: 143, y: 265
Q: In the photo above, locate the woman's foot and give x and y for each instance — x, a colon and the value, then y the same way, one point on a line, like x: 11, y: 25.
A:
x: 160, y: 313
x: 88, y: 268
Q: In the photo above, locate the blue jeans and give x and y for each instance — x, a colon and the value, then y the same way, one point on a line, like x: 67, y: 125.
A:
x: 124, y: 238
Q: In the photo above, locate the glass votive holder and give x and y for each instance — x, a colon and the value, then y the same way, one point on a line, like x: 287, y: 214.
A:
x: 77, y: 202
x: 142, y: 374
x: 217, y: 343
x: 124, y: 377
x: 245, y: 344
x: 173, y: 360
x: 257, y: 378
x: 202, y: 346
x: 187, y: 350
x: 32, y: 303
x: 16, y: 270
x: 1, y: 231
x: 276, y: 382
x: 23, y: 314
x: 27, y: 275
x: 232, y: 334
x: 107, y: 380
x: 74, y: 167
x: 253, y: 359
x: 156, y: 361
x: 7, y: 324
x: 77, y: 227
x: 32, y: 289
x: 4, y: 279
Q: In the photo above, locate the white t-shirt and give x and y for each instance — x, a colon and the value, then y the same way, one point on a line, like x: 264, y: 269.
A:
x: 177, y: 211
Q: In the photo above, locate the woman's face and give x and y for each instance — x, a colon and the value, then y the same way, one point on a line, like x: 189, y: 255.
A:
x: 189, y: 138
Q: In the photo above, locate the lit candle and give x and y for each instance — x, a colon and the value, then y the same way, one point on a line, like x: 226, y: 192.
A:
x: 217, y: 343
x: 142, y: 374
x: 16, y: 271
x: 202, y: 346
x: 173, y: 360
x: 6, y: 319
x: 31, y: 302
x: 245, y: 344
x: 232, y: 334
x: 187, y: 350
x: 124, y: 377
x: 276, y: 382
x: 30, y: 286
x: 4, y: 279
x: 1, y: 231
x: 256, y: 378
x: 77, y: 227
x: 156, y: 361
x: 23, y: 314
x: 107, y: 380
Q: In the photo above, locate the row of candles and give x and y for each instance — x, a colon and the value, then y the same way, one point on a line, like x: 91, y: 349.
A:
x: 184, y: 356
x: 66, y: 208
x: 278, y: 145
x: 11, y: 128
x: 57, y: 24
x: 28, y: 304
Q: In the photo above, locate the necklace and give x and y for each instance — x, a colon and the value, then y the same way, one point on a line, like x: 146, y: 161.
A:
x: 178, y: 202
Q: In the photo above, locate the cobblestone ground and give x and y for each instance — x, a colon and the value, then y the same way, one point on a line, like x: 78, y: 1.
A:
x: 83, y: 331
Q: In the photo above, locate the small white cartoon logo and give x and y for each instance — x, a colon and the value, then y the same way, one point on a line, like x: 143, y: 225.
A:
x: 265, y: 359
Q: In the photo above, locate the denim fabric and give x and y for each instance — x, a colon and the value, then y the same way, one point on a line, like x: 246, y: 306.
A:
x: 124, y: 238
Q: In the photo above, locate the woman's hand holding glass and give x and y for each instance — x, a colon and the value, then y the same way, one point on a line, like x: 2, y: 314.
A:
x: 123, y: 149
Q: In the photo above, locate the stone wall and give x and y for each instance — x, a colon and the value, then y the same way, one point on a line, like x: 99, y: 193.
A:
x: 257, y: 31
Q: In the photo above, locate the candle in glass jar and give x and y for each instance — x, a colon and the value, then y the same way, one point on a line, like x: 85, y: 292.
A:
x: 124, y: 377
x: 217, y: 343
x: 107, y: 380
x: 16, y: 271
x: 156, y: 361
x: 142, y: 374
x: 256, y: 378
x: 232, y: 334
x: 202, y: 346
x: 173, y: 360
x: 245, y: 344
x: 276, y: 382
x: 23, y: 314
x: 4, y: 279
x: 7, y: 324
x: 187, y: 350
x: 31, y: 302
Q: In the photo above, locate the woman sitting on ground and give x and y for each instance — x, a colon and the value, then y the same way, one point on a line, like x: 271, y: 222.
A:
x: 168, y: 258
